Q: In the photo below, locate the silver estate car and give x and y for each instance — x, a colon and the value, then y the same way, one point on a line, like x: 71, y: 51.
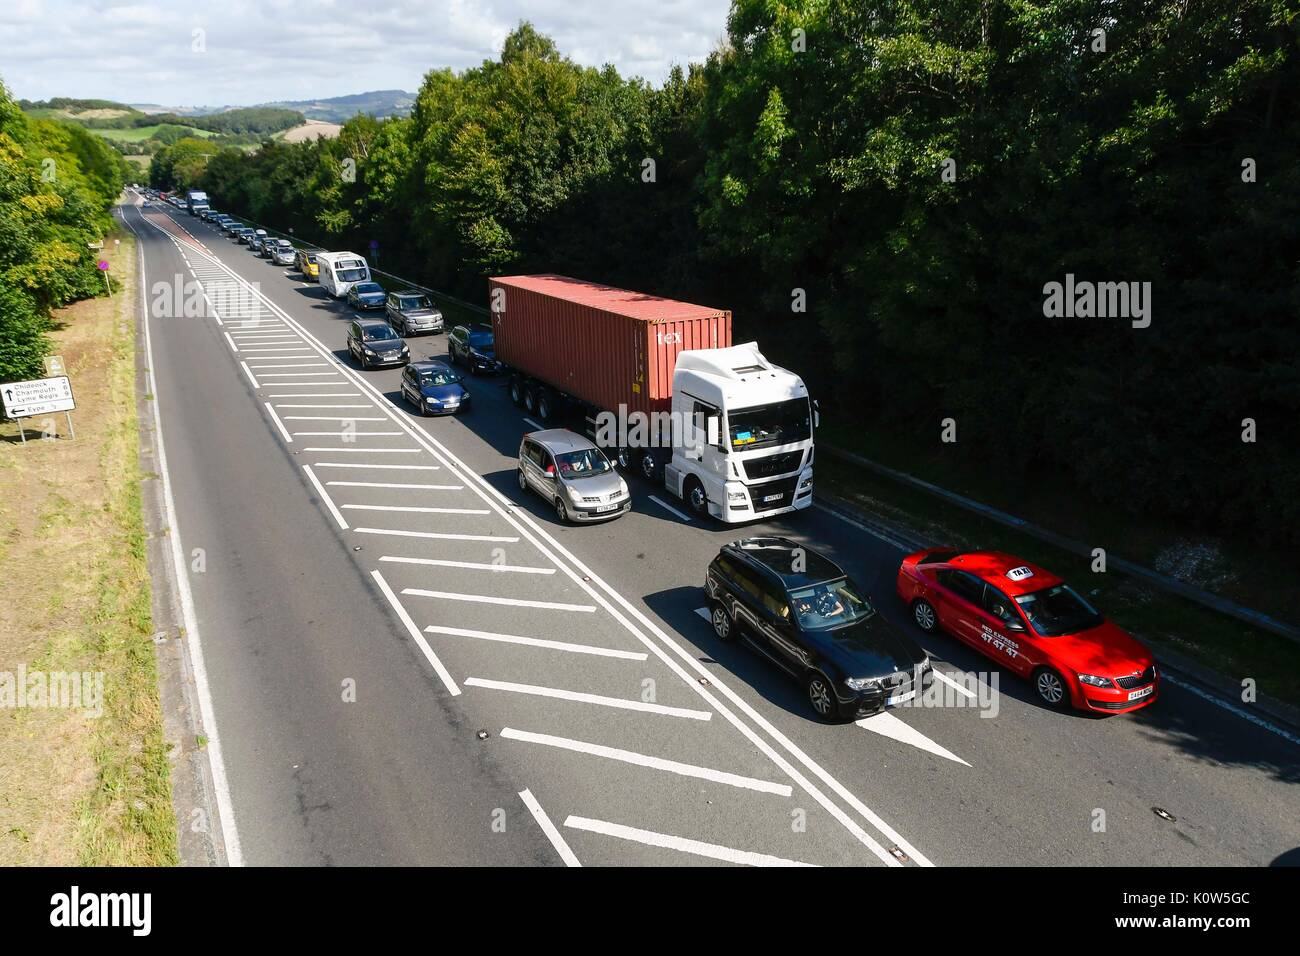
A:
x: 574, y: 475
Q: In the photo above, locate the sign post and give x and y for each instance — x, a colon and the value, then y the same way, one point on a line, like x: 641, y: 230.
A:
x: 40, y: 396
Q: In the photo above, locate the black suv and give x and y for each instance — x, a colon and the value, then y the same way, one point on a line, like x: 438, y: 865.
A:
x: 473, y: 346
x: 373, y: 343
x: 800, y: 609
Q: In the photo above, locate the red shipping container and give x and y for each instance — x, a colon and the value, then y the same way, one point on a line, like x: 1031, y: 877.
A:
x: 605, y: 346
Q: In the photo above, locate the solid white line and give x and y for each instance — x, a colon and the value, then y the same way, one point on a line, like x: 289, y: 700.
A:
x: 536, y: 642
x: 329, y: 418
x: 232, y: 342
x: 667, y: 507
x: 643, y: 760
x: 311, y: 394
x: 278, y: 424
x: 394, y: 484
x: 345, y: 434
x: 534, y: 424
x: 548, y: 828
x: 863, y: 527
x: 349, y: 464
x: 1232, y: 708
x: 424, y: 511
x: 370, y: 451
x: 291, y: 365
x: 298, y: 375
x: 442, y: 536
x: 683, y: 845
x: 489, y: 599
x: 325, y: 497
x: 416, y: 636
x: 468, y: 565
x: 207, y: 714
x: 618, y: 703
x: 249, y: 373
x: 283, y: 405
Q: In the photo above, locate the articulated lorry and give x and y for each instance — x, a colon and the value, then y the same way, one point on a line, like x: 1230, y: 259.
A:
x: 196, y: 201
x: 662, y: 389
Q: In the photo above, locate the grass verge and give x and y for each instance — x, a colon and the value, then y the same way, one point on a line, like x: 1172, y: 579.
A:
x: 76, y: 787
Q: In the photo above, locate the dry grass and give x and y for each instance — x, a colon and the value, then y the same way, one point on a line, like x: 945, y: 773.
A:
x: 75, y: 596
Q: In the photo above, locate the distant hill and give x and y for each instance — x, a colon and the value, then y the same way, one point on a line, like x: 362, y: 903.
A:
x: 340, y: 109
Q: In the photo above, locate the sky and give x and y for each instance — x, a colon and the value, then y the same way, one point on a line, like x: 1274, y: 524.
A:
x: 255, y: 51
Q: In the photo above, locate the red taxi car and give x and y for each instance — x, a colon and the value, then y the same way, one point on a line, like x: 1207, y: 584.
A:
x: 1031, y: 622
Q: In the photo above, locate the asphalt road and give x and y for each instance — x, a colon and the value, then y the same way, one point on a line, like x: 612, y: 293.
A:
x: 533, y: 693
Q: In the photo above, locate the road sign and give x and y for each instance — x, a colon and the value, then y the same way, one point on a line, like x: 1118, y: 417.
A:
x: 54, y: 365
x: 37, y: 397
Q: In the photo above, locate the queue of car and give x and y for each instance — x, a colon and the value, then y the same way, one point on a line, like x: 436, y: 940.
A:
x: 779, y: 598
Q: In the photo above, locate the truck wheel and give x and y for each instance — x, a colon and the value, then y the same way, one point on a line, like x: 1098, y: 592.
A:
x: 544, y: 405
x: 624, y: 458
x: 516, y: 391
x: 649, y: 466
x: 696, y: 497
x: 530, y: 399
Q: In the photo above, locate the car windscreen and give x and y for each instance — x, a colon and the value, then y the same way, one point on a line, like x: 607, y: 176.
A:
x: 829, y: 605
x: 777, y: 424
x: 438, y: 377
x: 482, y: 341
x: 410, y: 302
x: 1058, y: 610
x: 582, y: 464
x: 378, y: 334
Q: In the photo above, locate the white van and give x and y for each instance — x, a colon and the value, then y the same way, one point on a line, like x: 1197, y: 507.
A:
x: 340, y: 271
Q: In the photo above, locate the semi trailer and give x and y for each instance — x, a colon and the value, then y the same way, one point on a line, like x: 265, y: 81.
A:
x: 662, y: 389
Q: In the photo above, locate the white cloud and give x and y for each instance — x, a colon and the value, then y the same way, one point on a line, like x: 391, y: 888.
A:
x: 254, y: 52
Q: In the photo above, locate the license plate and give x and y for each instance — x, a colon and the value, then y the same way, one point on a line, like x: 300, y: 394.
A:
x: 900, y: 698
x: 604, y: 508
x: 767, y: 498
x: 1144, y: 692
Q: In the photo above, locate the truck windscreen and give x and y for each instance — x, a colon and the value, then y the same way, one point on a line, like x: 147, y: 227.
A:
x: 779, y: 424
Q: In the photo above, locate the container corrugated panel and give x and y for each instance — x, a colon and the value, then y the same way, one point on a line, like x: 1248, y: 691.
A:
x: 606, y: 346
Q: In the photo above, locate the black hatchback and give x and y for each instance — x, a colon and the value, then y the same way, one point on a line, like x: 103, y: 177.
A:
x: 373, y: 343
x: 801, y: 611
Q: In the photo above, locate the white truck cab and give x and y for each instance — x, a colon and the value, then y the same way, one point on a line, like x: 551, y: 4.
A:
x: 747, y: 435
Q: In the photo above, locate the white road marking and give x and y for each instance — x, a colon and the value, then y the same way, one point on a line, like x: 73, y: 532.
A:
x: 667, y: 507
x: 887, y: 725
x: 349, y: 464
x: 278, y: 424
x: 442, y: 536
x: 411, y: 509
x: 644, y: 760
x: 291, y: 365
x: 468, y: 565
x: 347, y: 434
x: 681, y: 844
x: 864, y: 527
x: 297, y: 375
x: 216, y: 761
x: 548, y: 828
x: 329, y: 502
x: 249, y: 373
x: 940, y: 675
x: 370, y: 451
x: 416, y: 636
x: 395, y: 484
x: 534, y: 424
x: 1232, y: 708
x: 232, y: 342
x: 490, y: 599
x: 311, y: 394
x: 619, y: 703
x: 283, y: 405
x: 536, y: 642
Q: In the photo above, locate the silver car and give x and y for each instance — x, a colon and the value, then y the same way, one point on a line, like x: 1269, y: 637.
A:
x: 574, y: 475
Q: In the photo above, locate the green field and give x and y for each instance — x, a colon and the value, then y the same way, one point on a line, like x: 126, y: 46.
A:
x: 140, y: 133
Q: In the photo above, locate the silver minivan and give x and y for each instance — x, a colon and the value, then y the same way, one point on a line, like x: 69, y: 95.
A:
x: 574, y: 475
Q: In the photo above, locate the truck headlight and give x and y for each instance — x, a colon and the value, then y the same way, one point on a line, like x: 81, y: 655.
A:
x: 861, y: 683
x: 807, y: 482
x: 1096, y: 681
x: 735, y: 496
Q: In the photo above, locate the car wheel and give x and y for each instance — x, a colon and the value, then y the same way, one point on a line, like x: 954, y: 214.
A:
x: 723, y: 626
x: 696, y: 497
x: 924, y: 615
x: 821, y: 698
x: 561, y: 512
x: 1051, y: 688
x: 516, y: 392
x: 523, y: 481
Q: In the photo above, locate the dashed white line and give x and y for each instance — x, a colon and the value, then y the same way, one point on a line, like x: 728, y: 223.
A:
x: 618, y: 703
x: 324, y: 495
x: 667, y: 507
x: 278, y: 424
x: 534, y: 424
x: 249, y: 373
x: 416, y: 636
x: 644, y: 760
x: 232, y: 342
x: 548, y: 828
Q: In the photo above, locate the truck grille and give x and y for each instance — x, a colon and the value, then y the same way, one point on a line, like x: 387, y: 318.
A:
x: 1141, y: 680
x: 770, y: 465
x: 781, y: 493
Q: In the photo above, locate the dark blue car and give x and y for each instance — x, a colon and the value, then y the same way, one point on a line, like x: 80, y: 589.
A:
x: 434, y: 388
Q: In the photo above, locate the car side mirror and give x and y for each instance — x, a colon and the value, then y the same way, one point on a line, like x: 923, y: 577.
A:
x: 1014, y: 625
x: 817, y: 414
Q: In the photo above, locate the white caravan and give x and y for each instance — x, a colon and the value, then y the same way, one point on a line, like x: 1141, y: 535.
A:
x: 340, y: 271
